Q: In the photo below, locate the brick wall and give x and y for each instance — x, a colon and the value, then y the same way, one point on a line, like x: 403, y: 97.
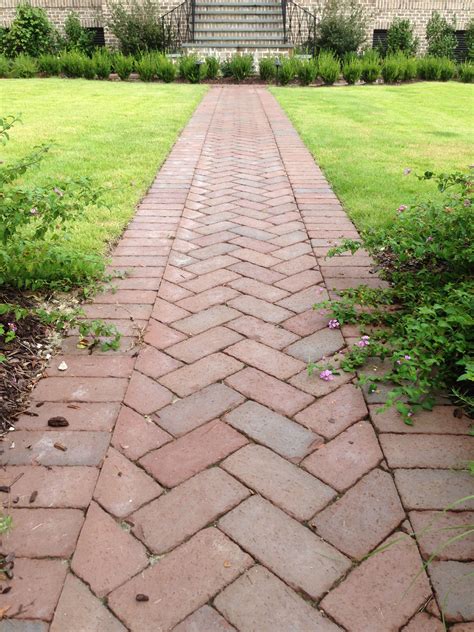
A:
x: 382, y: 12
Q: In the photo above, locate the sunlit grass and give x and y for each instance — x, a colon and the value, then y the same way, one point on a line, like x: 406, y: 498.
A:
x: 117, y: 133
x: 364, y: 136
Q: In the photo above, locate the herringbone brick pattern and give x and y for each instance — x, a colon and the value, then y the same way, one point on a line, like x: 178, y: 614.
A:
x: 205, y: 482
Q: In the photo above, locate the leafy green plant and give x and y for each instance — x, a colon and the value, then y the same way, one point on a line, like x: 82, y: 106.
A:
x: 34, y: 221
x: 241, y: 66
x: 72, y: 63
x: 466, y: 72
x: 166, y: 69
x: 49, y: 64
x: 401, y: 39
x: 287, y: 72
x: 213, y: 67
x: 124, y: 65
x: 307, y: 72
x: 23, y: 66
x: 352, y: 69
x: 329, y: 68
x: 146, y: 67
x: 410, y: 69
x: 427, y: 337
x: 470, y: 40
x: 192, y: 68
x: 440, y: 35
x: 447, y: 69
x: 371, y: 66
x: 102, y: 63
x: 88, y: 68
x: 429, y: 68
x: 76, y: 37
x: 30, y: 33
x: 267, y: 69
x: 4, y: 66
x: 137, y: 26
x: 392, y: 69
x: 342, y: 28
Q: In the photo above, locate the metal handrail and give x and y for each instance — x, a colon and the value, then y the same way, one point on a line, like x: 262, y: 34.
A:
x: 299, y: 25
x: 178, y: 26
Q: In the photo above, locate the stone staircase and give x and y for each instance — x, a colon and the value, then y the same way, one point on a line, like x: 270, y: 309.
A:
x: 223, y: 27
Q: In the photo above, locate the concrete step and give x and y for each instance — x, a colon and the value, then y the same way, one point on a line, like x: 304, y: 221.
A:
x: 233, y: 30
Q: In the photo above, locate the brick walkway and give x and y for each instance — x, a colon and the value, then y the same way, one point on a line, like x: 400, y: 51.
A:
x: 204, y: 469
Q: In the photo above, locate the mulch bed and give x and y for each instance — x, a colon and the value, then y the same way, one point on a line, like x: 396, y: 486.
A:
x: 26, y: 356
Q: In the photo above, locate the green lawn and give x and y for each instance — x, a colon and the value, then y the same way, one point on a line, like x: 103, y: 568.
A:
x: 118, y: 133
x: 364, y: 136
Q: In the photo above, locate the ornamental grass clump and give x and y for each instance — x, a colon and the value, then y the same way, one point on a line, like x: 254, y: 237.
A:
x: 329, y: 68
x: 241, y: 67
x: 123, y: 65
x: 23, y: 67
x: 213, y: 67
x: 307, y: 72
x: 72, y: 63
x: 49, y: 65
x: 422, y: 324
x: 466, y: 72
x: 267, y: 69
x: 370, y: 66
x: 352, y: 69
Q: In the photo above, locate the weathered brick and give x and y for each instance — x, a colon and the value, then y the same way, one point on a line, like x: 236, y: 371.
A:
x: 145, y: 395
x: 334, y: 413
x: 80, y: 416
x: 79, y: 610
x: 215, y: 296
x: 260, y: 309
x: 91, y: 366
x: 285, y: 485
x: 285, y: 546
x: 194, y: 377
x: 260, y: 601
x: 184, y: 580
x: 263, y: 332
x: 106, y: 556
x: 161, y: 336
x: 206, y: 618
x: 206, y: 496
x: 434, y: 489
x: 435, y: 529
x: 440, y: 420
x: 177, y: 461
x: 265, y: 358
x: 269, y: 391
x: 273, y: 430
x: 433, y: 451
x: 321, y: 344
x: 209, y: 403
x: 453, y: 583
x: 258, y: 289
x: 204, y: 344
x: 212, y: 317
x: 80, y: 389
x: 135, y: 434
x: 369, y: 598
x: 346, y: 458
x: 154, y: 363
x: 372, y: 508
x: 423, y: 622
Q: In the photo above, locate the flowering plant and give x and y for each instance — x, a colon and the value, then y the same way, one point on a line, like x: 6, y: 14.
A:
x: 422, y: 325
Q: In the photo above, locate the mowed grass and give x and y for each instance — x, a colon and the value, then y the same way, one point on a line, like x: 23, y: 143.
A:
x: 364, y: 136
x: 117, y: 133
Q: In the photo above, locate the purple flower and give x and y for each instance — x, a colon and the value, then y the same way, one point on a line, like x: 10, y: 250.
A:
x: 326, y: 375
x: 409, y: 414
x: 399, y: 361
x: 58, y: 191
x: 401, y: 208
x: 430, y: 238
x: 407, y: 357
x: 12, y: 327
x: 467, y: 203
x: 406, y: 171
x: 34, y: 211
x: 333, y: 324
x: 364, y: 341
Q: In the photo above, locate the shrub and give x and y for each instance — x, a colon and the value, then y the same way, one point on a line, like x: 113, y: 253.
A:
x: 440, y: 35
x: 307, y: 72
x: 192, y: 69
x: 137, y: 26
x: 410, y: 70
x: 88, y: 68
x: 30, y: 32
x: 447, y: 69
x: 370, y: 66
x: 241, y: 66
x: 23, y: 66
x: 75, y: 36
x: 429, y: 68
x: 352, y: 69
x: 342, y: 28
x: 146, y: 67
x: 213, y: 66
x: 470, y: 40
x: 286, y: 72
x: 267, y: 69
x: 392, y: 69
x: 49, y: 64
x: 123, y: 65
x: 33, y: 223
x: 166, y: 70
x: 400, y: 38
x: 72, y: 63
x: 427, y: 341
x: 329, y: 68
x: 102, y: 63
x: 4, y: 66
x: 466, y: 72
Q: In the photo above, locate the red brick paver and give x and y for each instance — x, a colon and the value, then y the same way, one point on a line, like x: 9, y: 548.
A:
x: 205, y: 482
